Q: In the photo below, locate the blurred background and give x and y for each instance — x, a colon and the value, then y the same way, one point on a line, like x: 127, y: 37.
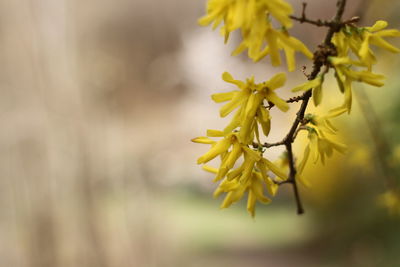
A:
x: 98, y: 103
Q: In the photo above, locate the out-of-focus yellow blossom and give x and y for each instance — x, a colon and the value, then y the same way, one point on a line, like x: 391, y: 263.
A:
x: 252, y: 17
x: 353, y: 42
x: 358, y: 40
x: 321, y: 144
x: 248, y: 101
x: 374, y: 36
x: 391, y: 200
x: 345, y: 76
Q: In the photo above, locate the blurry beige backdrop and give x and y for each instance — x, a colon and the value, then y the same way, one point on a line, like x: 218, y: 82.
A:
x: 98, y: 102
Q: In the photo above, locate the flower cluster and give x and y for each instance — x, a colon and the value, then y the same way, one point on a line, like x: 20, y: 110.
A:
x: 252, y: 174
x: 321, y: 141
x: 260, y: 38
x: 346, y: 50
x: 353, y: 42
x: 356, y: 42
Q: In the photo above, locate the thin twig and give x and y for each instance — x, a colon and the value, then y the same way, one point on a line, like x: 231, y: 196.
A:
x: 304, y: 19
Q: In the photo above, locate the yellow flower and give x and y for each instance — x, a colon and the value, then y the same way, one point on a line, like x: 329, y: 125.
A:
x: 241, y: 13
x: 277, y: 41
x: 249, y: 102
x: 345, y: 76
x: 353, y: 40
x: 252, y: 177
x: 315, y: 85
x: 252, y: 17
x: 391, y: 200
x: 320, y: 145
x: 236, y: 190
x: 218, y: 148
x: 374, y: 36
x: 358, y: 40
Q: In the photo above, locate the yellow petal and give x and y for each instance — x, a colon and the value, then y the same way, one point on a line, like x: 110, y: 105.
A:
x: 308, y: 85
x: 235, y: 173
x: 202, y: 140
x: 317, y: 95
x: 378, y: 41
x: 264, y: 119
x: 227, y: 77
x: 215, y: 133
x: 280, y: 103
x: 251, y: 153
x: 235, y: 122
x: 314, y: 146
x: 251, y: 203
x: 236, y: 101
x: 233, y: 156
x: 290, y: 58
x: 239, y: 49
x: 281, y: 11
x: 304, y: 160
x: 273, y: 47
x: 388, y: 33
x: 379, y: 25
x: 276, y: 82
x: 210, y: 169
x: 276, y: 170
x: 258, y: 190
x: 232, y: 197
x: 337, y: 111
x: 219, y: 148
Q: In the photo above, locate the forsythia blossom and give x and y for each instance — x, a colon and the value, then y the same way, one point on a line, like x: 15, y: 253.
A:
x: 391, y: 200
x: 248, y: 101
x: 260, y: 38
x: 356, y: 41
x: 251, y: 175
x: 243, y: 168
x: 321, y: 143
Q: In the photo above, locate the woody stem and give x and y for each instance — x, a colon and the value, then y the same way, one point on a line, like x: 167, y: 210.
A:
x: 319, y: 61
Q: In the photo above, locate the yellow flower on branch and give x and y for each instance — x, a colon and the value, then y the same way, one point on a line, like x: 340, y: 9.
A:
x: 315, y: 85
x: 252, y: 177
x: 345, y: 76
x: 374, y: 36
x: 237, y: 14
x: 359, y: 39
x: 321, y: 145
x: 260, y: 38
x: 248, y: 101
x: 391, y: 200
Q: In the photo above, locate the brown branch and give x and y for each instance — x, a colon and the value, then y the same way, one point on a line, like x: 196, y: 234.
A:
x: 319, y: 22
x: 304, y: 19
x: 320, y: 59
